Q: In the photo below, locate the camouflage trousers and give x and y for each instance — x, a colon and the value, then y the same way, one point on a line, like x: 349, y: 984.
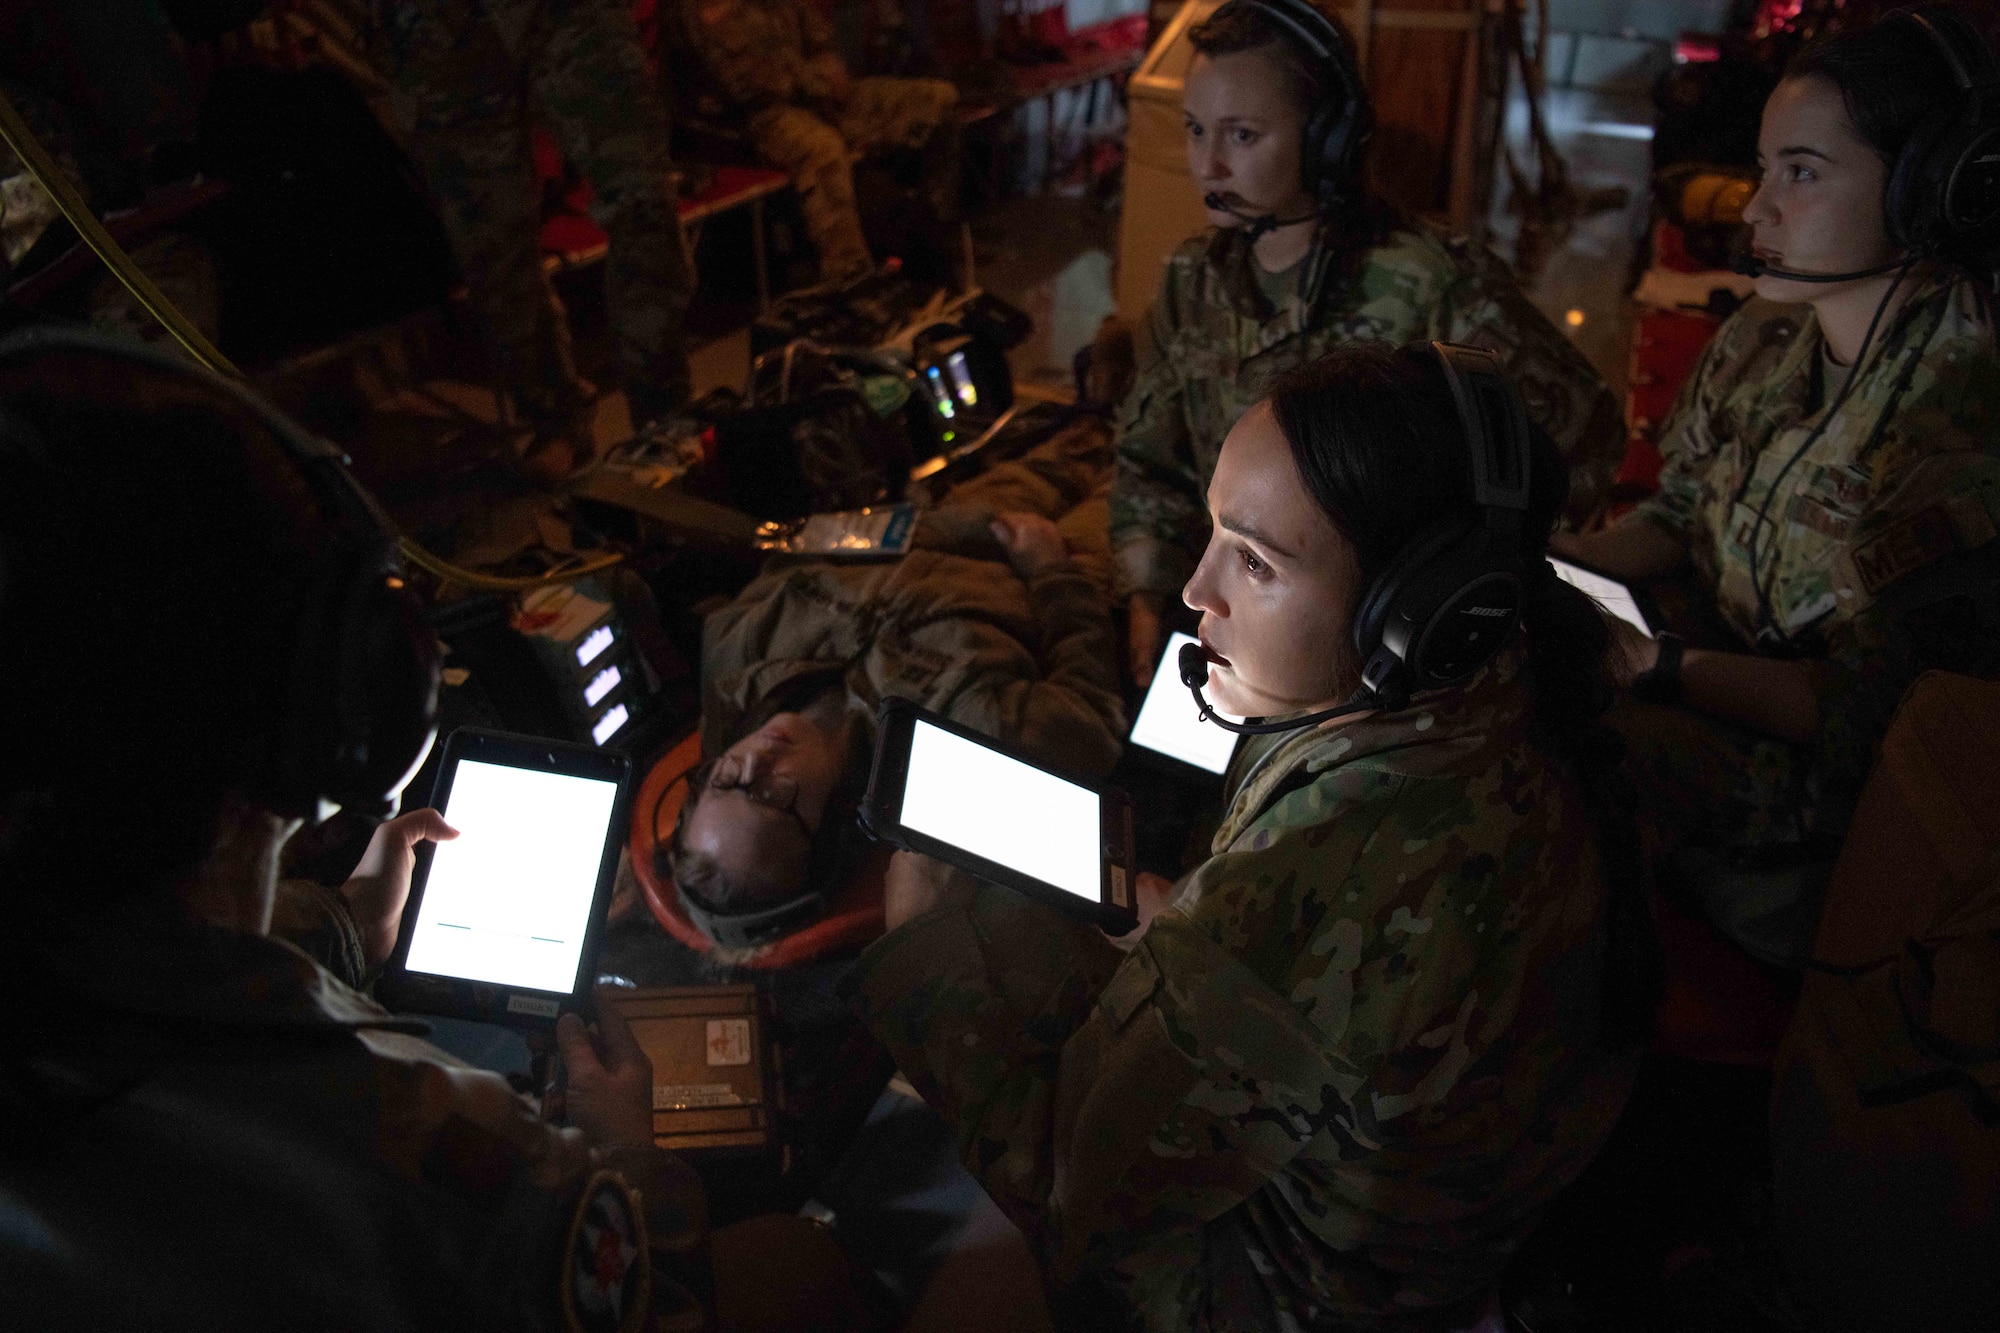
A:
x: 880, y: 116
x: 1729, y: 815
x: 471, y: 77
x: 1066, y: 478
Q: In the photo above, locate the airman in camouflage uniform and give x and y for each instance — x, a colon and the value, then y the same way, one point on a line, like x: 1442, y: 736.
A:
x: 1334, y: 1082
x: 222, y: 1127
x: 775, y: 63
x: 1218, y: 341
x: 468, y: 77
x: 1876, y: 551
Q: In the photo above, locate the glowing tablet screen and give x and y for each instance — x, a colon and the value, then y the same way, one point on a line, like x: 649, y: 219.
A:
x: 1610, y: 594
x: 508, y: 900
x: 996, y: 807
x: 1171, y: 724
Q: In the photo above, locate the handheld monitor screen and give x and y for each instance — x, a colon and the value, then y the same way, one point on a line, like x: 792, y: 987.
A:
x: 508, y: 900
x: 1171, y: 724
x: 1608, y: 593
x: 996, y: 807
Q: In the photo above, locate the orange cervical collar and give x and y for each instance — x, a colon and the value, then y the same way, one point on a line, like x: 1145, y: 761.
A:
x: 854, y: 912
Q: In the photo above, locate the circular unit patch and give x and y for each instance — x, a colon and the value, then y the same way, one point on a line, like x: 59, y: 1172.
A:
x: 606, y: 1279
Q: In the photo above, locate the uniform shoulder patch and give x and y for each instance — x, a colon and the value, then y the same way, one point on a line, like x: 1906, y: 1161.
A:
x: 606, y: 1274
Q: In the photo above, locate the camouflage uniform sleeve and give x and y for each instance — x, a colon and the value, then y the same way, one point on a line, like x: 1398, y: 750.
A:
x: 1563, y: 393
x: 1106, y: 1103
x: 316, y: 921
x: 1942, y: 614
x: 1687, y: 442
x: 563, y: 1235
x: 1068, y: 707
x: 739, y: 55
x: 1158, y: 510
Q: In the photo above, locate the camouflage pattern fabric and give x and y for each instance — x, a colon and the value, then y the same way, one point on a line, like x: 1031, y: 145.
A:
x: 469, y: 77
x: 1217, y: 344
x: 774, y: 61
x: 813, y: 153
x: 948, y: 625
x: 1333, y: 1083
x: 1728, y: 824
x: 1878, y: 559
x: 178, y: 264
x: 271, y: 1135
x: 1067, y: 478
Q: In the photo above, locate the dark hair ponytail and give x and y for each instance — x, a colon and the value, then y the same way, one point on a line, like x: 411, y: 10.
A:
x: 1377, y: 441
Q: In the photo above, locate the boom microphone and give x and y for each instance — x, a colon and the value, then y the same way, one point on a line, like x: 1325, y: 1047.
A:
x: 1194, y: 675
x: 1752, y: 267
x: 1258, y: 223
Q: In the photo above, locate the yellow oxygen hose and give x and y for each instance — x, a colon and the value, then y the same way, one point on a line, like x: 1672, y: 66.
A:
x: 29, y: 149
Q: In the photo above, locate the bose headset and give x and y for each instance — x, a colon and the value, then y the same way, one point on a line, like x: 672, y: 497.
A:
x: 1337, y: 129
x: 362, y: 703
x: 1945, y: 184
x: 1450, y: 600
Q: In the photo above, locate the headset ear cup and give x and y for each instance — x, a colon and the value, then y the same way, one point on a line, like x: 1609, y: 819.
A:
x: 1387, y: 596
x: 1312, y: 156
x: 1913, y: 200
x: 1943, y: 188
x: 394, y: 667
x: 1338, y: 128
x: 1971, y: 203
x: 1346, y: 138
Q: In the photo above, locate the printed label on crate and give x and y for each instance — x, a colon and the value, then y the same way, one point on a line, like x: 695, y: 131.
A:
x: 693, y: 1096
x: 729, y: 1041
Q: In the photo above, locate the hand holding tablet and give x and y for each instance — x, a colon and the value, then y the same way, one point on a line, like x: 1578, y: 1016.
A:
x: 503, y: 922
x: 951, y: 793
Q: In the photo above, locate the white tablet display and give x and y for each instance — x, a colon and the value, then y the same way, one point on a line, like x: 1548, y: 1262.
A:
x: 996, y: 807
x: 1610, y: 594
x: 508, y: 900
x: 1170, y: 723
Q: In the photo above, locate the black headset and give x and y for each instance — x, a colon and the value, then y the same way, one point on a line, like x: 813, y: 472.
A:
x: 362, y: 704
x: 1946, y: 182
x: 1338, y: 128
x: 1450, y: 600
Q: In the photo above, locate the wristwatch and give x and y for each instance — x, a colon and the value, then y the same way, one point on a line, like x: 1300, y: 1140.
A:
x: 1661, y: 684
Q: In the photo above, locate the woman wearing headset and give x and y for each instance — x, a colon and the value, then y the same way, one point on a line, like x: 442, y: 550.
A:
x: 1832, y: 479
x: 1299, y: 258
x: 1333, y: 1083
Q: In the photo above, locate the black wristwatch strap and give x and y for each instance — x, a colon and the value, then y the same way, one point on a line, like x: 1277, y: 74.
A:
x: 1662, y: 684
